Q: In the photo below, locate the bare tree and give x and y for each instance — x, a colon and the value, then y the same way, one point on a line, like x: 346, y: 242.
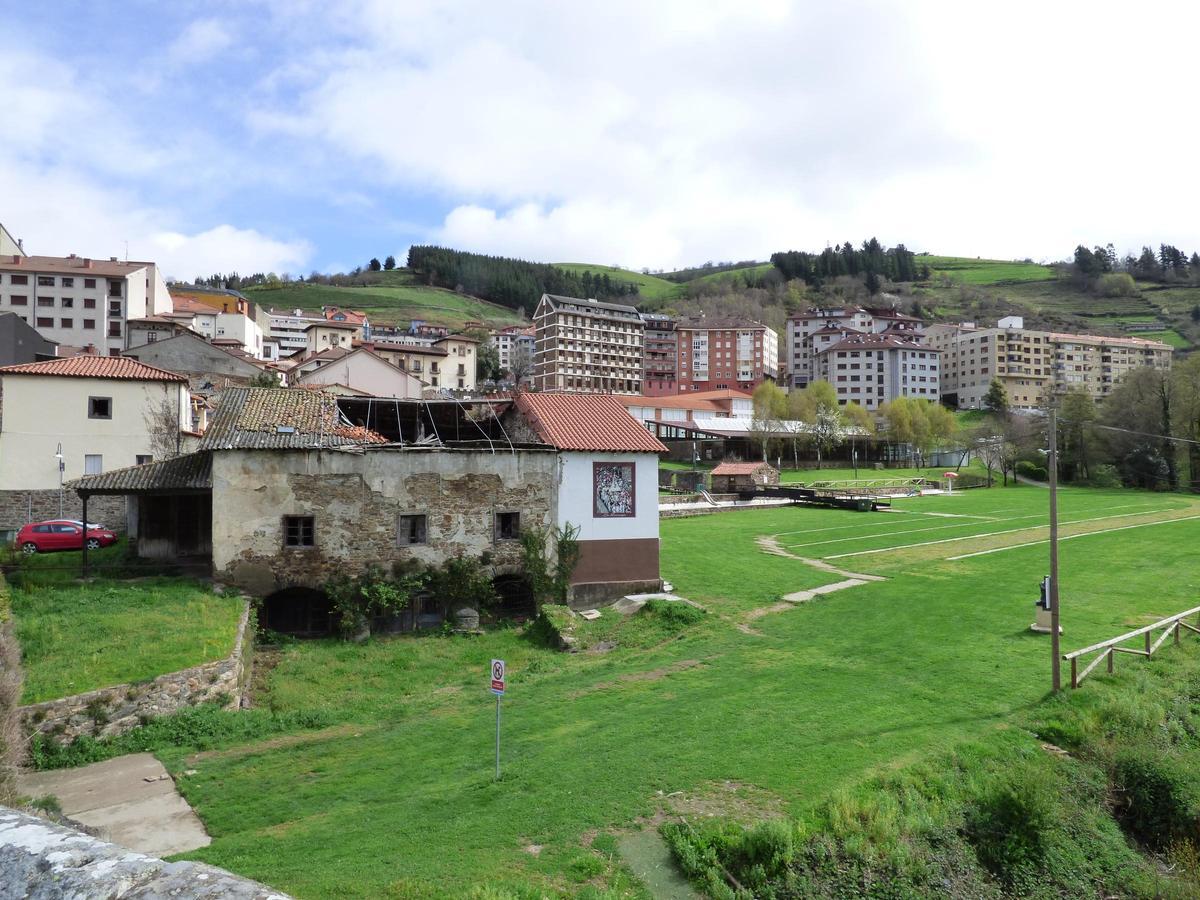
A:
x: 162, y: 426
x: 520, y: 367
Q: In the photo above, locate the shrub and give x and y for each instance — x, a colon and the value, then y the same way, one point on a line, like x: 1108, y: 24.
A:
x: 672, y: 612
x: 1104, y: 476
x: 1032, y: 470
x: 1116, y: 284
x: 463, y: 581
x: 1008, y: 823
x: 1158, y: 799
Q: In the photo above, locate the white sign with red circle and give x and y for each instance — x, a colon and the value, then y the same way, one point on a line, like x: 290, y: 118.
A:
x: 497, y: 676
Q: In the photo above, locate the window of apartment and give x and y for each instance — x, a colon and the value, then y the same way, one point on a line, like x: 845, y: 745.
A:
x: 99, y: 407
x: 151, y: 337
x: 143, y: 458
x: 93, y: 464
x: 114, y: 351
x: 19, y: 279
x: 45, y: 322
x: 114, y: 288
x: 89, y: 282
x: 114, y: 307
x: 412, y: 530
x: 45, y: 301
x: 46, y: 280
x: 68, y: 302
x: 68, y: 282
x: 89, y: 323
x: 66, y: 323
x: 114, y: 329
x: 299, y: 532
x: 508, y: 526
x: 19, y: 300
x: 89, y: 302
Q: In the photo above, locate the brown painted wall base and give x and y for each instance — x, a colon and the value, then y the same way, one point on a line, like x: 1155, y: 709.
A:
x: 608, y: 570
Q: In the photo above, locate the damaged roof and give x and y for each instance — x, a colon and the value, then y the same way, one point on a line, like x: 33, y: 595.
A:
x: 282, y: 419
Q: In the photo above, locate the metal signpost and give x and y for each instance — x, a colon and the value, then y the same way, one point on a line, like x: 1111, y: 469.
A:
x: 498, y: 690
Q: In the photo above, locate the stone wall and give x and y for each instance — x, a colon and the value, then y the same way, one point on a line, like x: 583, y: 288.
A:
x: 355, y: 500
x: 115, y: 710
x: 19, y: 508
x: 41, y: 859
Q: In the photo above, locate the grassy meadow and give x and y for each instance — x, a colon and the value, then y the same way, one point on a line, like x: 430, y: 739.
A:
x: 651, y: 287
x: 985, y: 271
x: 76, y: 638
x: 760, y: 705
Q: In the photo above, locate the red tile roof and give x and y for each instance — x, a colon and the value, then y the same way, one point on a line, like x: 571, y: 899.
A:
x: 738, y: 468
x: 596, y: 422
x: 122, y: 368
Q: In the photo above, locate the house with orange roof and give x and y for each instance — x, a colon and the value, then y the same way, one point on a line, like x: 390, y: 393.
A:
x: 85, y: 415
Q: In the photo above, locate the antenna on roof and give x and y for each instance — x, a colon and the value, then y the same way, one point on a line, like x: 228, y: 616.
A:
x: 127, y: 251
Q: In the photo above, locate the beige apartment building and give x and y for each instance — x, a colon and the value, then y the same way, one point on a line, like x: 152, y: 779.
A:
x: 78, y: 301
x: 586, y: 345
x: 1032, y: 365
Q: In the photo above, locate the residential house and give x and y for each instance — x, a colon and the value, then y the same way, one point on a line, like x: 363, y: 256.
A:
x: 515, y: 348
x: 360, y: 372
x: 446, y: 363
x: 65, y: 418
x: 324, y: 335
x: 190, y: 354
x: 809, y: 333
x: 730, y: 477
x: 153, y: 328
x: 717, y: 354
x: 20, y: 343
x: 872, y: 369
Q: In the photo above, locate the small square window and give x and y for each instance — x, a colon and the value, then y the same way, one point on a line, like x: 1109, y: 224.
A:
x: 508, y: 526
x: 68, y: 302
x: 298, y: 531
x: 93, y: 464
x: 45, y: 322
x: 66, y: 323
x: 89, y: 282
x: 143, y: 458
x: 89, y: 302
x: 99, y: 407
x: 89, y: 323
x: 411, y: 530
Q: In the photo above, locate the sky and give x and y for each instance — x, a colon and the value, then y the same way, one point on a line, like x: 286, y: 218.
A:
x: 263, y: 135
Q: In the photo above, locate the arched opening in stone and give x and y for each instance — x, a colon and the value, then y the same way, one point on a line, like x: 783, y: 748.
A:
x: 516, y: 598
x: 299, y: 611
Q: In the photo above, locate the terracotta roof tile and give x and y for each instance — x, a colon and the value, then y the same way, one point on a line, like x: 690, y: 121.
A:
x: 738, y: 468
x: 122, y: 368
x: 281, y: 418
x: 597, y: 422
x: 70, y: 265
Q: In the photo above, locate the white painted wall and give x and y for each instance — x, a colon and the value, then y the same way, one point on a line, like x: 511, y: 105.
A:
x: 40, y: 412
x: 575, y: 497
x: 365, y: 372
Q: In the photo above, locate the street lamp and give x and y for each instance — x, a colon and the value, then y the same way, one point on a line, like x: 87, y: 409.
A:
x: 58, y: 454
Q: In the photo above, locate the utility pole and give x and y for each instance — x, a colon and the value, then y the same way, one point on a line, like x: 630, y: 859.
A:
x: 1055, y: 661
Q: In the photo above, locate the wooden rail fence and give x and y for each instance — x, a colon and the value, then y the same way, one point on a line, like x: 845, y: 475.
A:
x: 1107, y: 650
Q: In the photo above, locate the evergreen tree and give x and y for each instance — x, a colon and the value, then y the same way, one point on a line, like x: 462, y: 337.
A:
x: 374, y: 265
x: 389, y: 263
x: 996, y: 400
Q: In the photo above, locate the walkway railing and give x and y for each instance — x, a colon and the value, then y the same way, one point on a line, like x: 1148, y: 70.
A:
x: 1107, y: 650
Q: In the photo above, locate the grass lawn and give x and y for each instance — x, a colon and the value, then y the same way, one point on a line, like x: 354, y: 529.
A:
x: 1172, y: 337
x: 651, y: 287
x: 76, y: 638
x: 986, y: 271
x: 780, y: 703
x: 398, y: 300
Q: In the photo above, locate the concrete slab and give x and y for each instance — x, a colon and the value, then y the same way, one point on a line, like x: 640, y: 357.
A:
x: 130, y: 800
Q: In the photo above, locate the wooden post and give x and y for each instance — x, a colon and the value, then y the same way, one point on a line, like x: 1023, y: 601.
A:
x: 1176, y: 632
x: 1074, y: 677
x: 1055, y: 660
x: 1111, y: 654
x: 1148, y: 651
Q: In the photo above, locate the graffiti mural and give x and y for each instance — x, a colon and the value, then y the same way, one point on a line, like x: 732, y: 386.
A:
x: 612, y: 490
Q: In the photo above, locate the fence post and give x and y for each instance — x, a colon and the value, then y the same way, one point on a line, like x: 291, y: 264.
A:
x: 1111, y: 654
x: 1177, y: 632
x: 1074, y: 679
x: 1147, y: 643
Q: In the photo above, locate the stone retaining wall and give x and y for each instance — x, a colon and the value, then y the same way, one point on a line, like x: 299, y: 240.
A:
x: 18, y: 508
x: 45, y: 860
x: 114, y: 710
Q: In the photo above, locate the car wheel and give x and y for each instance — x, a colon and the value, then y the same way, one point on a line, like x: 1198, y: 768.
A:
x: 29, y: 547
x: 93, y: 543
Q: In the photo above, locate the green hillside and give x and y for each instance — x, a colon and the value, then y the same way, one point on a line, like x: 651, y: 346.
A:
x: 396, y: 299
x: 985, y: 271
x: 651, y: 287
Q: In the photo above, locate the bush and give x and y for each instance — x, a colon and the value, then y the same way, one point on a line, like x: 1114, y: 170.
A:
x: 672, y: 612
x: 1116, y: 284
x: 1007, y: 825
x: 1104, y: 476
x: 1158, y: 798
x: 1032, y: 470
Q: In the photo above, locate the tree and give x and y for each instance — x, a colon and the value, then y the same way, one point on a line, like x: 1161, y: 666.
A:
x: 1076, y: 417
x: 265, y: 379
x: 811, y: 407
x: 996, y: 400
x: 520, y: 365
x: 389, y: 263
x: 1186, y: 396
x: 487, y: 362
x: 374, y: 265
x: 1138, y: 413
x: 162, y: 427
x: 769, y: 410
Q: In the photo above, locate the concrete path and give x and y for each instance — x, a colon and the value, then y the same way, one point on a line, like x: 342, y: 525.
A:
x: 130, y: 800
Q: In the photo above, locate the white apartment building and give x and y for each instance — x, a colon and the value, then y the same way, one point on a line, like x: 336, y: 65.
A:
x: 1033, y: 365
x: 871, y: 369
x: 288, y: 328
x: 78, y: 301
x: 800, y: 350
x: 586, y: 345
x: 511, y: 342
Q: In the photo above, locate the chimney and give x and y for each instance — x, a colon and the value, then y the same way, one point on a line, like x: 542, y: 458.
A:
x: 16, y: 259
x: 87, y: 263
x: 112, y: 259
x: 72, y: 256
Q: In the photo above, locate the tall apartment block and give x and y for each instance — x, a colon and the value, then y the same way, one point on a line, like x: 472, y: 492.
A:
x: 78, y: 301
x: 1033, y: 365
x: 808, y: 333
x: 660, y: 368
x: 719, y: 354
x: 871, y: 369
x: 586, y: 345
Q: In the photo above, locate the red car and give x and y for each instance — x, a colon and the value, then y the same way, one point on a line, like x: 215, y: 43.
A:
x: 62, y: 534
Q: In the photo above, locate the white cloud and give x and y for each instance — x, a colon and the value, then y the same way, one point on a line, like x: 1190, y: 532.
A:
x: 670, y: 133
x: 200, y: 38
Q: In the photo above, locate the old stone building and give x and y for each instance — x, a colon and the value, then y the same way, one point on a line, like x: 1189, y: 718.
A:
x: 296, y: 486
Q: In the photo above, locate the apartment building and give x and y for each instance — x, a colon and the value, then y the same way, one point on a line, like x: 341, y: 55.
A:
x: 287, y: 329
x: 725, y: 354
x: 78, y: 301
x: 1033, y: 365
x: 803, y: 340
x: 449, y: 362
x: 514, y: 344
x: 586, y: 345
x: 871, y: 369
x: 660, y: 364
